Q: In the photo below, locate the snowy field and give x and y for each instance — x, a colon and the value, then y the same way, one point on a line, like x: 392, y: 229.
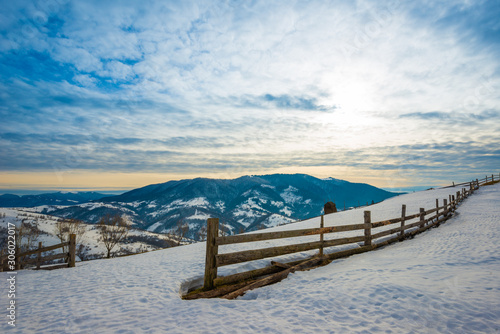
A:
x: 445, y: 280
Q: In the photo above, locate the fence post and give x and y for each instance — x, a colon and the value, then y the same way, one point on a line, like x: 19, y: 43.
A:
x: 453, y: 204
x: 445, y: 204
x: 422, y: 217
x: 72, y: 250
x: 403, y: 214
x: 211, y: 256
x: 492, y: 178
x: 437, y: 209
x: 368, y: 228
x: 321, y: 225
x: 39, y: 256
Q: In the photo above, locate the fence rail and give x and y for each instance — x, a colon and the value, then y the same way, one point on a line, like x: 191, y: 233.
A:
x: 22, y: 259
x: 426, y: 219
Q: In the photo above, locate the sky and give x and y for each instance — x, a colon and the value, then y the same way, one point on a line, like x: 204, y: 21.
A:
x: 111, y: 95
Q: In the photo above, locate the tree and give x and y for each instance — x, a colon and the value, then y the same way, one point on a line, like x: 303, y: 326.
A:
x: 65, y: 227
x: 26, y: 236
x: 202, y: 233
x: 113, y: 230
x: 181, y: 229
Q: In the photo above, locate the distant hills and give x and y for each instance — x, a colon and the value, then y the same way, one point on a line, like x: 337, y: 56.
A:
x: 243, y: 204
x: 57, y: 198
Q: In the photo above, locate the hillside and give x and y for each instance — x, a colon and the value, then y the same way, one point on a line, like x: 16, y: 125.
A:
x: 244, y: 204
x: 137, y: 241
x: 445, y: 280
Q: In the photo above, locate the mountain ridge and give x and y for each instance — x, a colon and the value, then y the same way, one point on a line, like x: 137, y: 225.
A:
x: 242, y: 204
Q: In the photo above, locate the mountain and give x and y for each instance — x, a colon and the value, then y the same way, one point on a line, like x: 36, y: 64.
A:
x: 243, y: 204
x: 58, y: 198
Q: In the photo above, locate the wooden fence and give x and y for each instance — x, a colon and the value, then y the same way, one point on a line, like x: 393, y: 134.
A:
x: 425, y: 219
x: 22, y: 259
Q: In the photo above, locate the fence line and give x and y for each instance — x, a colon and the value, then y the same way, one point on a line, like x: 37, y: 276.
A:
x: 365, y: 241
x: 21, y: 259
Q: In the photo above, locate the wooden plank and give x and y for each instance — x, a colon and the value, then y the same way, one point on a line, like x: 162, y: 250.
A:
x: 44, y: 249
x: 386, y: 222
x: 251, y: 274
x: 218, y: 292
x: 211, y: 255
x: 58, y: 266
x: 240, y: 238
x: 72, y: 251
x: 349, y: 252
x: 386, y: 232
x: 46, y: 258
x: 321, y: 239
x: 275, y: 277
x: 257, y: 254
x: 368, y: 228
x: 281, y: 265
x: 403, y: 218
x: 422, y: 217
x: 39, y: 256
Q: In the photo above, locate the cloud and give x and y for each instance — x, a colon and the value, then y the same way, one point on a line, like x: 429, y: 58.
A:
x: 168, y: 85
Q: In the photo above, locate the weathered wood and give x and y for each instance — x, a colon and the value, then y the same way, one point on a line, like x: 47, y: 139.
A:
x: 257, y: 254
x: 368, y: 228
x: 217, y: 292
x: 403, y: 218
x: 240, y: 238
x: 251, y: 274
x: 72, y: 251
x: 386, y: 232
x: 281, y: 265
x: 44, y: 249
x: 212, y: 250
x: 321, y: 225
x: 46, y: 258
x: 56, y: 266
x: 39, y: 256
x: 386, y: 222
x: 349, y: 252
x: 437, y: 207
x: 422, y: 217
x: 275, y: 277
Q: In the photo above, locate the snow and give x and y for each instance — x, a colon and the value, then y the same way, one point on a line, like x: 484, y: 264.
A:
x: 289, y: 196
x: 445, y: 280
x: 199, y: 216
x: 201, y: 202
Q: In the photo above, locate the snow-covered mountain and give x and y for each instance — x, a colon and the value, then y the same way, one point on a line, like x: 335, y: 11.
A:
x: 57, y: 198
x: 243, y: 204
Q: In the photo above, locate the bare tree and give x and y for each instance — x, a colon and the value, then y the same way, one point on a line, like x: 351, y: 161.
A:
x: 26, y: 237
x: 113, y: 229
x: 202, y: 233
x: 65, y: 227
x: 181, y: 229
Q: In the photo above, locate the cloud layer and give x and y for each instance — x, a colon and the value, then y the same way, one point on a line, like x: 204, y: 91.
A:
x: 201, y: 87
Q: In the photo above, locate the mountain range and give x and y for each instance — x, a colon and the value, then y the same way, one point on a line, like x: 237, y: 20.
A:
x: 57, y: 198
x: 243, y: 204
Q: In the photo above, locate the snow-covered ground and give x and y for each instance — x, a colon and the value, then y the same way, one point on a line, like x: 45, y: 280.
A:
x: 445, y: 280
x: 47, y: 225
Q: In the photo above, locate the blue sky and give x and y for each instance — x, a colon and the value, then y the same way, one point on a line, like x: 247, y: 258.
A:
x: 120, y: 94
